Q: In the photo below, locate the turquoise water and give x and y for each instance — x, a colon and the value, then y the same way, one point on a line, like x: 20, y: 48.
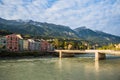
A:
x: 75, y: 68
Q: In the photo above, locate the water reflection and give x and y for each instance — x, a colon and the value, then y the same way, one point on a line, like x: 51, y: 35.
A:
x: 60, y: 63
x: 60, y: 69
x: 96, y: 66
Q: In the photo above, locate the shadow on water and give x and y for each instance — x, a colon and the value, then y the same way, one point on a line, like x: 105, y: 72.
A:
x: 108, y: 56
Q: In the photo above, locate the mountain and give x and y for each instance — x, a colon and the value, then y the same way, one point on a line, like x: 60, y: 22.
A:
x: 57, y: 31
x: 37, y: 28
x: 96, y: 36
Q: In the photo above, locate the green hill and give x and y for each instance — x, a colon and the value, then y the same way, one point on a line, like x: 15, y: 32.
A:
x: 37, y: 28
x: 34, y: 28
x: 96, y: 36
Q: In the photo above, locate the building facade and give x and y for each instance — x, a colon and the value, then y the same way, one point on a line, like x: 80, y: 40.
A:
x: 37, y: 46
x: 25, y: 45
x: 44, y: 45
x: 31, y: 44
x: 3, y: 42
x: 21, y: 44
x: 50, y: 47
x: 13, y: 42
x: 34, y: 45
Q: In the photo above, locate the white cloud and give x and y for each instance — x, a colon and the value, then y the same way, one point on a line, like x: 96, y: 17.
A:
x: 95, y: 14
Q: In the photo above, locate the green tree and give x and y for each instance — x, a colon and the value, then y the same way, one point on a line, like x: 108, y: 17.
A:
x: 56, y: 43
x: 65, y: 45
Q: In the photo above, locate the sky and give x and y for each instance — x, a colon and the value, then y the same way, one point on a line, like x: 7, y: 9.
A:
x: 103, y: 15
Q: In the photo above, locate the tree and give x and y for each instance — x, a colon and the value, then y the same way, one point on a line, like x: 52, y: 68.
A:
x: 27, y: 36
x: 56, y: 43
x: 65, y: 45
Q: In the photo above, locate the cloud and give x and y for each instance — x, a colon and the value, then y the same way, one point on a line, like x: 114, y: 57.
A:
x: 95, y: 14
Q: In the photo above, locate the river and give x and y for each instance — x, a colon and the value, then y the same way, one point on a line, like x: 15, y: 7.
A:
x: 76, y: 68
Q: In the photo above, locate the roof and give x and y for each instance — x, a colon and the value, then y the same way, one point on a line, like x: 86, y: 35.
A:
x: 18, y: 35
x: 31, y: 40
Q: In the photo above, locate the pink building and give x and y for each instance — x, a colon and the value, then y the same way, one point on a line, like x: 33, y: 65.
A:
x: 44, y: 45
x: 13, y: 42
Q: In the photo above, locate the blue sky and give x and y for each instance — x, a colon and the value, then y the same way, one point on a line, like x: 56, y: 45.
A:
x: 101, y: 15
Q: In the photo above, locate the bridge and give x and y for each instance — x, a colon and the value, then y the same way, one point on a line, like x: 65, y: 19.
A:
x: 99, y: 54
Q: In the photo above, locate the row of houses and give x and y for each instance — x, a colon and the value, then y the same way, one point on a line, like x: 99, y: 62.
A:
x: 15, y: 42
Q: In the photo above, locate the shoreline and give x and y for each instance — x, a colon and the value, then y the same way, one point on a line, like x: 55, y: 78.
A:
x: 27, y: 54
x: 25, y: 57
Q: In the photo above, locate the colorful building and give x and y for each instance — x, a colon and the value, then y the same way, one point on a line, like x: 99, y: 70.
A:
x: 50, y: 47
x: 37, y: 46
x: 21, y: 44
x: 31, y: 44
x: 3, y: 42
x: 13, y: 43
x: 34, y: 45
x: 44, y: 45
x: 25, y: 45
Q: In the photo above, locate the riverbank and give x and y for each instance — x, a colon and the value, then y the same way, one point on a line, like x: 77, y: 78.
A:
x: 25, y: 54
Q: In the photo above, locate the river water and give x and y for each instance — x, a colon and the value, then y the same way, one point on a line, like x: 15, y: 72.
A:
x: 76, y: 68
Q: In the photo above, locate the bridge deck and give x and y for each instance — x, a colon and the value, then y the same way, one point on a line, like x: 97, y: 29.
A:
x: 90, y: 51
x: 99, y: 54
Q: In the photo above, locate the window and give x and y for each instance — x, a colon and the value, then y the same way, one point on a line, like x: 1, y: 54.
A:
x: 10, y: 47
x: 15, y: 48
x: 4, y: 41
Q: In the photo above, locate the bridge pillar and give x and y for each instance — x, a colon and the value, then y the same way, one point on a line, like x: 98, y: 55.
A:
x: 99, y: 56
x: 60, y: 54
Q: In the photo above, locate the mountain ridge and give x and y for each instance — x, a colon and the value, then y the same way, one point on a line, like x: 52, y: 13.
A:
x: 97, y: 36
x: 37, y: 28
x: 57, y: 31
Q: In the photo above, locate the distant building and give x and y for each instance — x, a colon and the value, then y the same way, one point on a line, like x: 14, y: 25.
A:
x: 13, y: 43
x: 21, y: 44
x: 50, y: 47
x: 37, y: 46
x: 31, y: 44
x: 3, y: 42
x: 34, y: 45
x: 44, y: 45
x: 25, y: 45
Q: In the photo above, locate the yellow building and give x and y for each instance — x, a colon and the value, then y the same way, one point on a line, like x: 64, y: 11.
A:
x: 25, y: 45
